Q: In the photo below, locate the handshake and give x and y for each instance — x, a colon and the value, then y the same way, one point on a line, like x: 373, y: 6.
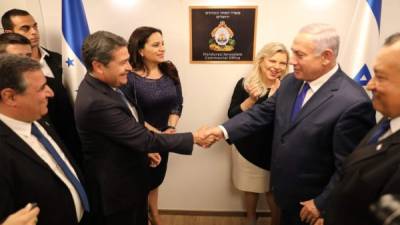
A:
x: 205, y: 136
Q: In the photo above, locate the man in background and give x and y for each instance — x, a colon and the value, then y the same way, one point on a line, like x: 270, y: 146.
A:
x: 60, y: 107
x: 16, y: 44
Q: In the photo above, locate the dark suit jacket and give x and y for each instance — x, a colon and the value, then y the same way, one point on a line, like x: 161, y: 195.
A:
x: 115, y: 147
x: 25, y: 177
x: 307, y: 152
x: 61, y: 113
x: 367, y: 174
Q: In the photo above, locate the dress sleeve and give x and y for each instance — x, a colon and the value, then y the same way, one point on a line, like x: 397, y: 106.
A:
x: 179, y: 101
x: 239, y: 95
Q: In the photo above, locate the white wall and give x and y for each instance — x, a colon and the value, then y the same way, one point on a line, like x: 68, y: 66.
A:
x: 202, y: 181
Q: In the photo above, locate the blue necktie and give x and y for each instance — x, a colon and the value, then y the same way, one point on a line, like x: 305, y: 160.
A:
x: 299, y: 101
x: 382, y: 128
x: 68, y: 173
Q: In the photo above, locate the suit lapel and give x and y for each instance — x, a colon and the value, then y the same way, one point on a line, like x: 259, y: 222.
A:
x: 289, y: 97
x: 108, y: 91
x: 15, y: 142
x: 324, y: 93
x: 61, y: 145
x: 364, y: 151
x: 54, y: 64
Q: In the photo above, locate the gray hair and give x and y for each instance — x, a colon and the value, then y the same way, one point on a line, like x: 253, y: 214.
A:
x: 324, y: 37
x: 99, y: 46
x: 392, y: 39
x: 12, y: 69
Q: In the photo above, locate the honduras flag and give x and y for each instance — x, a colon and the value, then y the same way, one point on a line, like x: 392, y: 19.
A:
x: 362, y: 42
x: 75, y: 30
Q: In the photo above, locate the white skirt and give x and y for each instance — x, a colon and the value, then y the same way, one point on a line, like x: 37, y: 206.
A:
x: 247, y: 176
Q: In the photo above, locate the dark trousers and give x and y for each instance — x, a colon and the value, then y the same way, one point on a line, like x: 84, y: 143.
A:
x: 136, y: 215
x: 291, y: 217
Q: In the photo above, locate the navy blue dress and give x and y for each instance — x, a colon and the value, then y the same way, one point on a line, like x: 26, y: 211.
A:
x: 157, y: 98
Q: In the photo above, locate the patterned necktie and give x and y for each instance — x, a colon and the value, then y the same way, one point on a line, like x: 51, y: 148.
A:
x: 123, y: 97
x: 382, y: 128
x: 299, y: 101
x: 60, y: 162
x: 129, y: 105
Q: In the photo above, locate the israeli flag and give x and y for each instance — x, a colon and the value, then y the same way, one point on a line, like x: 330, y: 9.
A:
x: 362, y: 42
x: 75, y: 30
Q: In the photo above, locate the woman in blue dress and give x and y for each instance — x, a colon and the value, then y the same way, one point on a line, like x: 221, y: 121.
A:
x: 157, y: 91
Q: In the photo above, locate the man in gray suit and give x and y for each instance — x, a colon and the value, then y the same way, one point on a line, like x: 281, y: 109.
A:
x: 319, y: 116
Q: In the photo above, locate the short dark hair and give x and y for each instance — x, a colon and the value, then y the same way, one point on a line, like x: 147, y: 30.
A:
x: 392, y: 39
x: 7, y: 39
x: 99, y: 46
x: 12, y: 68
x: 6, y: 18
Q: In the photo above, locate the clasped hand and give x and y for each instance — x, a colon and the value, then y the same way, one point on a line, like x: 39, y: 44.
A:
x: 205, y: 136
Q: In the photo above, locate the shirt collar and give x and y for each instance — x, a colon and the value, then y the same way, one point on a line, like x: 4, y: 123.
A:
x: 317, y: 83
x: 43, y: 53
x: 395, y: 124
x: 17, y: 126
x: 113, y: 88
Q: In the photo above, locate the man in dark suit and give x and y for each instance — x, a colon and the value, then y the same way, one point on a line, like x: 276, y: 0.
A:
x: 60, y: 113
x: 372, y: 170
x: 319, y: 116
x: 34, y: 165
x: 115, y: 142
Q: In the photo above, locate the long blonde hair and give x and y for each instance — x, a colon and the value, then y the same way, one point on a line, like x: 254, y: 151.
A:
x: 254, y: 77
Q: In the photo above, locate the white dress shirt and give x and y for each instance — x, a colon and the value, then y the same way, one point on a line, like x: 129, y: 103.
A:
x: 316, y: 84
x: 394, y: 127
x: 45, y: 67
x: 23, y: 130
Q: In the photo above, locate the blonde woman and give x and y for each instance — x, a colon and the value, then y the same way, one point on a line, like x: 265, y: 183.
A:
x: 251, y: 155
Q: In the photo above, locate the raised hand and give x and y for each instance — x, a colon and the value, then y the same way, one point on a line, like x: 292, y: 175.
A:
x: 254, y: 92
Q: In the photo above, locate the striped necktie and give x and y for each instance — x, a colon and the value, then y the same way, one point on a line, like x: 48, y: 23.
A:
x: 60, y: 162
